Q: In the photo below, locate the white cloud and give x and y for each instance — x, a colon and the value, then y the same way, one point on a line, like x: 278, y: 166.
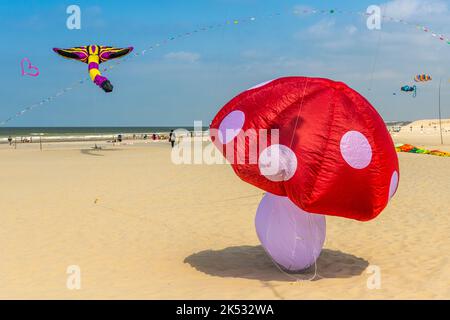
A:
x: 183, y: 56
x: 412, y: 9
x: 322, y: 28
x: 351, y: 29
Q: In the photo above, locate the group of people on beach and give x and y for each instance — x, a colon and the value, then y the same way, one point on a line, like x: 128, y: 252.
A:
x: 22, y: 140
x: 154, y: 137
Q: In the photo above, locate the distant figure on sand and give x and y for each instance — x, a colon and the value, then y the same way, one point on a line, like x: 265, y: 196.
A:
x: 172, y: 138
x: 119, y: 138
x: 10, y: 140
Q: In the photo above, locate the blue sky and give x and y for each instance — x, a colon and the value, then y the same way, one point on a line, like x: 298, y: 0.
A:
x: 192, y: 77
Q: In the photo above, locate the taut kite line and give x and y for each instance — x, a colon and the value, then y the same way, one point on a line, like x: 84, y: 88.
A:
x: 93, y: 55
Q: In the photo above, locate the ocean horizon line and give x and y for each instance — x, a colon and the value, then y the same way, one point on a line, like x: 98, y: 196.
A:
x: 66, y: 132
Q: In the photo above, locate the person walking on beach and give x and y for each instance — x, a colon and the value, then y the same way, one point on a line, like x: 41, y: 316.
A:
x: 172, y: 138
x: 10, y: 140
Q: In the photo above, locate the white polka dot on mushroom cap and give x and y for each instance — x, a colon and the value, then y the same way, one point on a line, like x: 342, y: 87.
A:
x: 230, y: 126
x: 260, y: 84
x: 356, y: 150
x: 393, y: 185
x: 277, y: 162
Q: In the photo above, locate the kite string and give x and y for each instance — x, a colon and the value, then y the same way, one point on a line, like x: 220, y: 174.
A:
x: 295, y: 277
x: 298, y: 112
x: 375, y: 59
x: 312, y: 234
x: 287, y: 274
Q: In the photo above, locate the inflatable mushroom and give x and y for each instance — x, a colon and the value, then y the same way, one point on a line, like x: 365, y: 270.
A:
x: 314, y: 141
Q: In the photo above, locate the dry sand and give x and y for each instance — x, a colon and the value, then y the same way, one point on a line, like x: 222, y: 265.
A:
x: 140, y: 227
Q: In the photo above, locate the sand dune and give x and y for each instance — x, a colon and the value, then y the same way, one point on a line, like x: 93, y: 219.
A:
x: 140, y: 227
x: 425, y: 132
x: 429, y: 126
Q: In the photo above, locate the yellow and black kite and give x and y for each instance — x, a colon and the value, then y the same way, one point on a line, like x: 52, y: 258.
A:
x: 93, y: 55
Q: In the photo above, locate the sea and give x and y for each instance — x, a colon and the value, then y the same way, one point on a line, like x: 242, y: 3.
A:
x: 80, y: 133
x: 92, y: 133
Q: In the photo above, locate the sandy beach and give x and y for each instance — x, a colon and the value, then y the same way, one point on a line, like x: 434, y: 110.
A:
x: 140, y: 227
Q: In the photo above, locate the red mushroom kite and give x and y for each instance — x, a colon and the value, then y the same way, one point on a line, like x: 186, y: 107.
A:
x: 314, y: 141
x: 334, y: 154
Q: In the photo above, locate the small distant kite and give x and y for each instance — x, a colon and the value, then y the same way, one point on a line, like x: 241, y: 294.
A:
x: 412, y: 89
x: 94, y: 55
x: 422, y: 78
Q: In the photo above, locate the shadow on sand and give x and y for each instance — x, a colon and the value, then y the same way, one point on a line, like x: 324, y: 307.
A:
x: 96, y: 152
x: 252, y: 262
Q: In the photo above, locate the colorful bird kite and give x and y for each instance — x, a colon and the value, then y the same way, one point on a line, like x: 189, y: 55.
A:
x: 93, y: 55
x: 422, y: 78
